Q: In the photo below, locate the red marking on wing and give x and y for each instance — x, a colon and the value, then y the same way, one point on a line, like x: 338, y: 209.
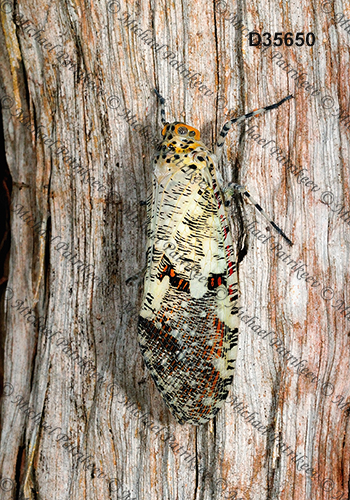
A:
x: 230, y: 268
x: 229, y: 250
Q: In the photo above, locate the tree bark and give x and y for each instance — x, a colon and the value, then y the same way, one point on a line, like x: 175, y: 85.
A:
x: 81, y: 417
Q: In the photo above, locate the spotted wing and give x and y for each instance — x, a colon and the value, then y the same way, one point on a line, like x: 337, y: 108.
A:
x: 188, y: 320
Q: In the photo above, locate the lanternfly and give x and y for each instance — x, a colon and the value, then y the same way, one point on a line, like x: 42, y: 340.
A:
x: 188, y: 323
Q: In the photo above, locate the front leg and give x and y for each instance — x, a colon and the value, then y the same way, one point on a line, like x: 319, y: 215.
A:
x: 227, y: 126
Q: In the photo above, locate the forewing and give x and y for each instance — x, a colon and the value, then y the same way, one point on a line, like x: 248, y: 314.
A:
x: 188, y: 320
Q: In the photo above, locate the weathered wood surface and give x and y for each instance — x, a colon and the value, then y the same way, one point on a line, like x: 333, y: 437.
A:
x: 97, y: 408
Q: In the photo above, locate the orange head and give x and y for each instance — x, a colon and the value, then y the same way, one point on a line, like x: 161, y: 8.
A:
x: 180, y: 130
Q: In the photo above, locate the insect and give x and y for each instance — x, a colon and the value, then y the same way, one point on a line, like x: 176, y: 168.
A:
x: 188, y: 323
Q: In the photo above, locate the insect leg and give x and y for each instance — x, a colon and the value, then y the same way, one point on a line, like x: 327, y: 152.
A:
x: 243, y: 190
x: 227, y: 126
x: 162, y: 107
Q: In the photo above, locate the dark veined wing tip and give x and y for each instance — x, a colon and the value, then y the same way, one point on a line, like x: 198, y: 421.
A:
x: 183, y: 414
x: 181, y: 417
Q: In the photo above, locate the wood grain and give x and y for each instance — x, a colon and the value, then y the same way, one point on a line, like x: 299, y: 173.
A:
x: 80, y: 369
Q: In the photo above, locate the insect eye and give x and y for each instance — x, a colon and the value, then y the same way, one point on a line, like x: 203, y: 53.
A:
x: 182, y: 130
x: 192, y: 133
